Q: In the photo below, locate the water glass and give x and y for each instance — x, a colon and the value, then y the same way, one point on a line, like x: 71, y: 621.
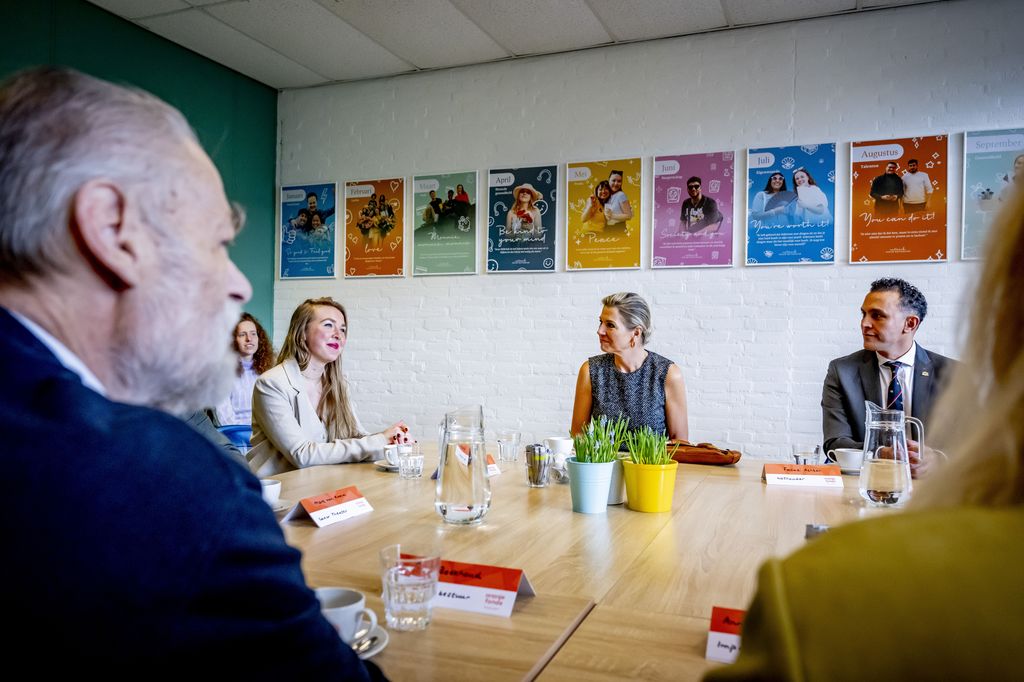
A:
x: 804, y: 453
x: 409, y: 584
x: 508, y: 446
x: 410, y: 461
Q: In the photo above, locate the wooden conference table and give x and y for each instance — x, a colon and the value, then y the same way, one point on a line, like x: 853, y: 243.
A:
x: 622, y: 595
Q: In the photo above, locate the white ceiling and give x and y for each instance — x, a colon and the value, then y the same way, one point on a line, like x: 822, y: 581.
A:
x: 300, y: 43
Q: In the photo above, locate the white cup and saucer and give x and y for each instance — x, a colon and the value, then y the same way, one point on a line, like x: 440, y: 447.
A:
x: 848, y: 459
x: 390, y: 461
x: 345, y: 609
x: 272, y: 495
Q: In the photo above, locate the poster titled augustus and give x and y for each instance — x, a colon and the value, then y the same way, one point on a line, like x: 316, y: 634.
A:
x: 307, y: 230
x: 791, y: 197
x: 521, y: 210
x: 993, y: 169
x: 603, y: 214
x: 693, y: 210
x: 898, y: 200
x: 444, y: 237
x: 374, y: 228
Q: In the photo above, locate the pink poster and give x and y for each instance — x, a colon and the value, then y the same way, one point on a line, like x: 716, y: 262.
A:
x: 693, y: 210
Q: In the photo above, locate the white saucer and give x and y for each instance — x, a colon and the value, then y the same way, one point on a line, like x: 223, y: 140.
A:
x: 385, y: 465
x: 281, y: 505
x: 382, y: 641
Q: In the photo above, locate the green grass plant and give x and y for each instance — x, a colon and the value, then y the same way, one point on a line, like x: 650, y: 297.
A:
x: 647, y: 447
x: 600, y: 440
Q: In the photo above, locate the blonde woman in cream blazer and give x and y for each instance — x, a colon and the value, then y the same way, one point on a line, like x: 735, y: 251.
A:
x: 290, y: 400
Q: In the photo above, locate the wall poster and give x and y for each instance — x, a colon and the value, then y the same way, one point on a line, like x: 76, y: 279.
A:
x: 444, y: 212
x: 993, y: 169
x: 521, y: 210
x: 307, y: 230
x: 791, y: 196
x: 898, y: 200
x: 603, y: 214
x: 693, y: 223
x: 374, y: 228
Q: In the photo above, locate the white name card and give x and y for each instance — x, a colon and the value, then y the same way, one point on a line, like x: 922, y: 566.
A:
x: 807, y: 475
x: 478, y: 588
x: 330, y: 508
x: 492, y: 467
x: 724, y: 634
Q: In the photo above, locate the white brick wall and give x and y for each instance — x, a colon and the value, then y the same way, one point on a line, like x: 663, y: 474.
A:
x: 753, y: 343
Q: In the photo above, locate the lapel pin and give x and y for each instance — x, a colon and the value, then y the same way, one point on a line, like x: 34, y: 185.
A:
x: 924, y: 372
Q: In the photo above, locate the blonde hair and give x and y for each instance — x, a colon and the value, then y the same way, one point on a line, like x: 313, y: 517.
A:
x: 980, y: 417
x: 334, y: 409
x: 634, y: 310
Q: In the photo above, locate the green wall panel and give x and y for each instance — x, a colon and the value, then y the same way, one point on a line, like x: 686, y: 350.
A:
x: 234, y: 116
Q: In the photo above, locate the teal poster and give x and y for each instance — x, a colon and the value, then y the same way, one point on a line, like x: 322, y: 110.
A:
x: 444, y: 215
x: 993, y: 170
x: 521, y: 210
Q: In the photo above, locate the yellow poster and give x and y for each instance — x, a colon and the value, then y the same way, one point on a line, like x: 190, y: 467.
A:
x: 603, y: 222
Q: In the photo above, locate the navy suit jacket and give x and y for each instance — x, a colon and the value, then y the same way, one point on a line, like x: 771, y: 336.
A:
x: 133, y: 545
x: 852, y: 379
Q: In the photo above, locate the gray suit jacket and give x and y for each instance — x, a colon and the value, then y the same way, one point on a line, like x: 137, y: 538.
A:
x: 853, y: 379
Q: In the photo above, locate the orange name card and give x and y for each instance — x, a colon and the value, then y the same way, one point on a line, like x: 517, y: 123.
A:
x: 331, y: 507
x: 492, y: 468
x: 724, y: 634
x: 479, y: 588
x: 813, y: 475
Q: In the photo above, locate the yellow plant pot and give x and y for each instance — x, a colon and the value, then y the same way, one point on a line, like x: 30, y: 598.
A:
x: 649, y: 487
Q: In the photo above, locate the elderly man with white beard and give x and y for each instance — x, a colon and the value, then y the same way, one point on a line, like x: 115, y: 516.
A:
x: 131, y: 543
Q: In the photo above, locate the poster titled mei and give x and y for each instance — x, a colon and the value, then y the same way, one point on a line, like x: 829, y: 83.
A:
x: 993, y: 171
x: 521, y: 210
x: 374, y: 222
x: 307, y: 230
x: 898, y: 200
x: 791, y: 196
x: 693, y: 210
x: 444, y: 236
x: 603, y: 214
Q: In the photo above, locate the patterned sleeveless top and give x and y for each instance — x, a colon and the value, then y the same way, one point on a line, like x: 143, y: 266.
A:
x: 639, y: 395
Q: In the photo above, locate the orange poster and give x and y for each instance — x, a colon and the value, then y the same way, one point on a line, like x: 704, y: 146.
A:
x: 898, y: 200
x: 603, y: 221
x: 375, y: 228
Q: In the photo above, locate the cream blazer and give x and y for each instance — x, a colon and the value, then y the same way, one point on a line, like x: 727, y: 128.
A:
x: 287, y: 433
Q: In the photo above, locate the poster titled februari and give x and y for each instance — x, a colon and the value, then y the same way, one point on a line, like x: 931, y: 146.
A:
x: 444, y: 216
x: 307, y: 230
x: 374, y: 228
x: 693, y: 210
x: 898, y: 200
x: 521, y: 209
x: 993, y: 171
x: 791, y: 196
x: 603, y: 214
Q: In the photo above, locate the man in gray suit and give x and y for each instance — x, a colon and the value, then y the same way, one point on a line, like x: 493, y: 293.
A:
x: 890, y: 317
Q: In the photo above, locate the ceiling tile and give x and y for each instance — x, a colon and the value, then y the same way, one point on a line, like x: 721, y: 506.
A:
x: 206, y: 35
x: 136, y: 9
x: 644, y: 19
x: 426, y: 33
x: 767, y: 11
x: 308, y: 34
x: 536, y: 26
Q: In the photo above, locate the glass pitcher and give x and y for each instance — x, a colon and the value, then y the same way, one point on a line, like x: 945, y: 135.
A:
x: 463, y: 493
x: 885, y: 472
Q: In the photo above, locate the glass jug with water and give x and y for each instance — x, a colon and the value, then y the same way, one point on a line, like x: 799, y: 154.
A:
x: 885, y: 473
x: 463, y: 493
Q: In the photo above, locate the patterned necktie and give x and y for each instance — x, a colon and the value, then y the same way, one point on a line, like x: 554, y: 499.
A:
x: 894, y: 400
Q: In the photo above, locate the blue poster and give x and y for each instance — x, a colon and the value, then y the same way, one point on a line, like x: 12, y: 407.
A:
x: 993, y: 171
x: 307, y: 230
x: 791, y: 194
x: 521, y: 210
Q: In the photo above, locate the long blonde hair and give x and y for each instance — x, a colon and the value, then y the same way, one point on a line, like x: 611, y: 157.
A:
x: 980, y: 417
x: 334, y: 408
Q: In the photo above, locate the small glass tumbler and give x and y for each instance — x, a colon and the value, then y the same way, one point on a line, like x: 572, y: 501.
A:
x: 806, y: 454
x: 538, y: 465
x: 409, y: 584
x: 508, y: 446
x: 410, y: 461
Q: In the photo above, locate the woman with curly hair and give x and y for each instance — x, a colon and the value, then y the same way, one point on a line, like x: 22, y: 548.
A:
x: 255, y: 356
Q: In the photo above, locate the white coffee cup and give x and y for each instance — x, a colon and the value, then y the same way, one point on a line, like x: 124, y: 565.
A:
x: 561, y: 447
x: 391, y: 454
x: 271, y: 490
x: 847, y: 458
x: 345, y: 608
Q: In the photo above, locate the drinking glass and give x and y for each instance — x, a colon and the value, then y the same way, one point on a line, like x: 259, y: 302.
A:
x: 508, y: 446
x: 804, y: 453
x: 410, y: 461
x: 409, y: 583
